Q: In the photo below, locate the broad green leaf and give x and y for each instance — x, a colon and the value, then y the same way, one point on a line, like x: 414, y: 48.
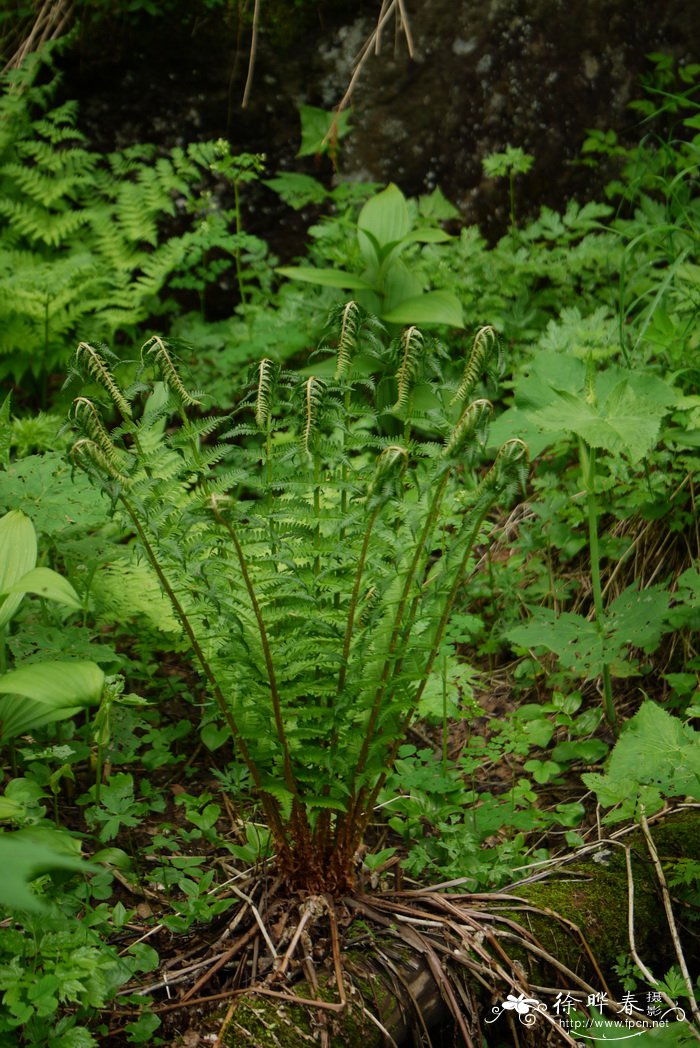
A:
x: 44, y: 692
x: 656, y: 756
x: 22, y: 860
x: 386, y: 216
x: 17, y: 557
x: 576, y: 642
x: 43, y: 582
x: 54, y: 497
x: 400, y: 285
x: 434, y: 307
x: 427, y: 235
x: 316, y: 124
x: 638, y: 618
x: 326, y: 277
x: 626, y: 423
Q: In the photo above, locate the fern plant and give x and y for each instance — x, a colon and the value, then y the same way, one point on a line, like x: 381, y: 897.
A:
x: 82, y: 246
x: 312, y: 561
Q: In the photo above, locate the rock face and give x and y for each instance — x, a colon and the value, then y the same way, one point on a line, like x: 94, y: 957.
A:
x: 530, y: 73
x: 485, y: 73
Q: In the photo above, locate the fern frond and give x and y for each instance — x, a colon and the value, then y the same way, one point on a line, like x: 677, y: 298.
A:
x: 157, y: 348
x: 484, y: 347
x: 313, y: 391
x: 86, y: 416
x: 509, y: 470
x: 347, y: 338
x: 412, y: 343
x: 97, y: 368
x: 86, y: 451
x: 267, y: 373
x: 472, y: 423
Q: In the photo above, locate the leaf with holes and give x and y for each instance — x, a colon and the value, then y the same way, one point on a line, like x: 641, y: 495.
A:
x: 576, y: 642
x: 656, y: 756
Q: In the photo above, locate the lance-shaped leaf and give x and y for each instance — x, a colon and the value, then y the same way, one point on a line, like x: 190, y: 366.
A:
x: 44, y: 692
x: 326, y: 277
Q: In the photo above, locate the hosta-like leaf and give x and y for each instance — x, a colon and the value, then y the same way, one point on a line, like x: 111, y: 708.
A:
x: 433, y: 307
x: 44, y: 692
x: 326, y: 277
x: 17, y: 557
x: 43, y: 582
x: 386, y: 216
x: 22, y: 860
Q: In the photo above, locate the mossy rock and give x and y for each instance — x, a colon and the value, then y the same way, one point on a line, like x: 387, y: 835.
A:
x: 591, y: 895
x: 264, y: 1022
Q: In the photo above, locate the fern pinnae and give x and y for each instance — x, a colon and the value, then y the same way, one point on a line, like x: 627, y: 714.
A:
x: 263, y: 407
x: 484, y: 345
x: 272, y: 811
x: 86, y: 451
x: 86, y: 416
x: 168, y: 372
x: 290, y: 779
x: 347, y: 338
x: 390, y: 465
x: 412, y: 342
x: 313, y: 389
x: 97, y: 369
x: 366, y: 800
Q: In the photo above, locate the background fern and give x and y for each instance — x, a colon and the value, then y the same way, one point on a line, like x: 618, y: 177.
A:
x: 82, y: 247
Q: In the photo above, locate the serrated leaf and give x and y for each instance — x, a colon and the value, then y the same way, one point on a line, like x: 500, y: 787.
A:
x: 638, y: 618
x: 627, y: 423
x: 656, y: 756
x: 576, y: 642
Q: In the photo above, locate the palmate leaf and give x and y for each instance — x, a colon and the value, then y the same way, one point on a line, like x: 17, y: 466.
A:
x: 656, y: 756
x: 624, y: 415
x: 626, y: 422
x: 316, y: 124
x: 44, y: 692
x: 635, y: 619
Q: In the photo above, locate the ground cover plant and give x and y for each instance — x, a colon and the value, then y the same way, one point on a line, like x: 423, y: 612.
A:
x: 280, y: 655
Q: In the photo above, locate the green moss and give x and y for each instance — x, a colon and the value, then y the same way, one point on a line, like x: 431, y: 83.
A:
x: 593, y: 896
x: 265, y: 1022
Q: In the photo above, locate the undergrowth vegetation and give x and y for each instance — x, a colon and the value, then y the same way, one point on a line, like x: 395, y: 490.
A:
x: 347, y: 593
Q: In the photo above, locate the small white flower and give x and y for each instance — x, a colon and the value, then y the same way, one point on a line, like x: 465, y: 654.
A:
x: 521, y: 1004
